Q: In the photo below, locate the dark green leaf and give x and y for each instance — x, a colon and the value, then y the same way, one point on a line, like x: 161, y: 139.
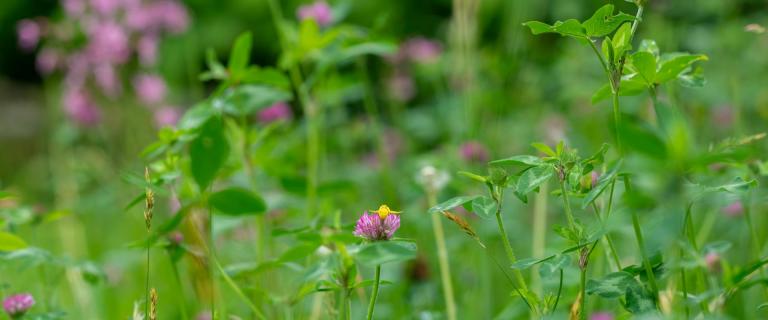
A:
x: 612, y: 285
x: 237, y: 201
x: 246, y: 99
x: 484, y: 207
x: 534, y: 177
x: 638, y: 300
x: 638, y: 136
x: 208, y: 152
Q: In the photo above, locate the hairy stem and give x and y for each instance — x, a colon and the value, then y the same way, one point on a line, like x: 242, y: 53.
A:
x: 375, y: 292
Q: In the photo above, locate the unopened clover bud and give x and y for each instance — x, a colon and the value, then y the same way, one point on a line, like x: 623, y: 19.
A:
x: 589, y: 181
x: 712, y: 260
x: 498, y: 176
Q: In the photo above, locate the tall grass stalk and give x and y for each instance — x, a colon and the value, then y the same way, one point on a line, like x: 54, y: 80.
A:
x: 311, y: 111
x: 179, y: 288
x: 539, y: 233
x: 442, y: 257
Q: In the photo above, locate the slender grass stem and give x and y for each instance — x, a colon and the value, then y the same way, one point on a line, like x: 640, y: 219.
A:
x: 310, y: 112
x: 608, y: 239
x: 507, y: 245
x: 442, y: 258
x: 179, y: 288
x: 583, y: 293
x: 146, y: 286
x: 567, y: 206
x: 239, y: 291
x: 641, y: 245
x: 685, y: 290
x: 539, y: 233
x: 375, y: 293
x: 617, y: 121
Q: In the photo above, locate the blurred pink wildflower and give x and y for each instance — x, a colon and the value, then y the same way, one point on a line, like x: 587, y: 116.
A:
x: 276, y: 112
x: 474, y: 151
x: 18, y: 304
x: 318, y: 11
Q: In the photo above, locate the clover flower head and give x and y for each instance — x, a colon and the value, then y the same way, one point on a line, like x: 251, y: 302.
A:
x: 379, y: 225
x: 18, y: 304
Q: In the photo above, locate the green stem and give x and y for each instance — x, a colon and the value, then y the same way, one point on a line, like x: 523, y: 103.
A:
x: 617, y: 120
x: 146, y: 287
x: 180, y: 288
x: 211, y: 258
x: 608, y: 239
x: 310, y: 112
x: 375, y: 292
x: 641, y: 245
x: 567, y: 205
x: 507, y: 245
x: 685, y: 290
x: 238, y: 291
x: 539, y: 233
x: 583, y: 288
x: 656, y: 110
x: 602, y: 60
x: 442, y: 257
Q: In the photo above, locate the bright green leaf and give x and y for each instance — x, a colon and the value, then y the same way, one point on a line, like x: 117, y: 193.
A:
x: 544, y: 149
x: 645, y: 65
x: 11, y: 242
x: 381, y: 252
x: 452, y: 203
x: 241, y: 51
x: 571, y: 28
x: 523, y: 160
x: 603, y: 22
x: 672, y: 68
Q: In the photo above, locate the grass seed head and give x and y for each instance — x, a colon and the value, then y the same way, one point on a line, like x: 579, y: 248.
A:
x: 153, y: 304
